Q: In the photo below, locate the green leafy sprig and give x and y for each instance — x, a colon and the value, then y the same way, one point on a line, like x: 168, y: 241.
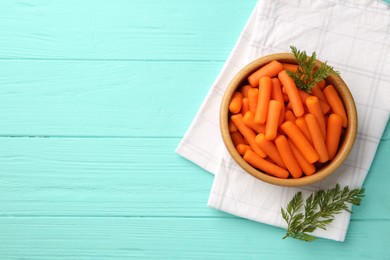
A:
x: 319, y: 210
x: 307, y: 74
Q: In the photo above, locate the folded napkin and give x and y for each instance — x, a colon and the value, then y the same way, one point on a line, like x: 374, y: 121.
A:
x: 354, y: 37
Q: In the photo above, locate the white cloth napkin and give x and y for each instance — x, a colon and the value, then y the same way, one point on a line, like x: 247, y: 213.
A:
x: 354, y: 37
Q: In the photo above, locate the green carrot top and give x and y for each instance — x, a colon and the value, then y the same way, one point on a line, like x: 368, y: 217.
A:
x: 307, y: 75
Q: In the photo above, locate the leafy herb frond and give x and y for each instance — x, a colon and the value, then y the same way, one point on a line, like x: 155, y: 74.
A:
x: 319, y: 210
x: 307, y: 74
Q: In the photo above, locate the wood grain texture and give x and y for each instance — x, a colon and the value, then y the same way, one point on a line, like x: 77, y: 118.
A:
x: 124, y: 30
x: 94, y: 98
x: 126, y: 177
x: 178, y: 238
x: 84, y: 98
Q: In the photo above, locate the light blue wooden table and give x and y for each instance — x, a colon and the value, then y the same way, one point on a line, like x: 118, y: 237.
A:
x: 94, y: 98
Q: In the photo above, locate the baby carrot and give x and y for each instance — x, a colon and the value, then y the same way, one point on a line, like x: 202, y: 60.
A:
x: 271, y: 69
x: 288, y: 156
x: 244, y: 90
x: 271, y: 126
x: 322, y: 84
x: 301, y: 123
x: 335, y: 125
x: 242, y: 148
x: 285, y: 98
x: 269, y: 160
x: 245, y: 105
x: 300, y: 141
x: 304, y: 95
x: 270, y: 168
x: 324, y: 107
x: 249, y: 120
x: 235, y: 103
x: 289, y: 116
x: 248, y: 134
x: 290, y: 67
x: 306, y: 167
x: 314, y: 107
x: 232, y: 127
x: 317, y: 137
x: 335, y: 103
x: 292, y: 93
x: 265, y: 88
x: 316, y: 91
x: 252, y: 99
x: 276, y: 94
x: 270, y: 149
x: 237, y: 138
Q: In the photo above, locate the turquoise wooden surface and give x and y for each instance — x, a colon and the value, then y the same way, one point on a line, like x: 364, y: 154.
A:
x: 94, y: 98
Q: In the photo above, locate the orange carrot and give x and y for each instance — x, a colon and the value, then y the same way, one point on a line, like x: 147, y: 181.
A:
x: 271, y: 126
x: 301, y: 123
x: 281, y: 117
x: 322, y: 84
x: 290, y: 67
x: 300, y: 141
x: 276, y: 94
x: 335, y: 125
x: 249, y: 120
x: 306, y: 167
x: 235, y: 103
x: 289, y: 116
x: 288, y: 156
x: 289, y: 106
x: 335, y: 103
x: 324, y: 107
x: 316, y: 91
x: 252, y: 99
x: 304, y: 95
x: 271, y: 69
x: 284, y: 90
x: 314, y: 107
x: 232, y: 127
x: 292, y: 93
x: 237, y: 138
x: 317, y: 137
x: 270, y: 168
x: 244, y: 106
x: 269, y: 160
x: 242, y: 148
x: 265, y: 88
x: 285, y: 98
x: 244, y: 90
x: 248, y: 134
x: 270, y: 149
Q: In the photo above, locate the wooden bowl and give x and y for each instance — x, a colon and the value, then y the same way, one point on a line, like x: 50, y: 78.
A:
x: 346, y: 142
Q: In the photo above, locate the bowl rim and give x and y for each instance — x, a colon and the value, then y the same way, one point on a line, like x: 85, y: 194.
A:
x: 344, y: 149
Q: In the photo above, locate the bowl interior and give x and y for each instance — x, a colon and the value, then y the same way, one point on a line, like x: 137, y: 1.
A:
x: 346, y: 142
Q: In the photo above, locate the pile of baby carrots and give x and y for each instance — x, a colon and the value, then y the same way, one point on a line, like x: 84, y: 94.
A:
x: 282, y: 130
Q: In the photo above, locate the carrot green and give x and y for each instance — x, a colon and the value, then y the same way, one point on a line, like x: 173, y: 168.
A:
x: 319, y: 210
x: 307, y: 75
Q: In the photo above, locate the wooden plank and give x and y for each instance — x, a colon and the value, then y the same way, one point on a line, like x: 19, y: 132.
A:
x: 81, y: 98
x: 131, y: 30
x: 63, y: 98
x: 178, y: 238
x: 126, y: 177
